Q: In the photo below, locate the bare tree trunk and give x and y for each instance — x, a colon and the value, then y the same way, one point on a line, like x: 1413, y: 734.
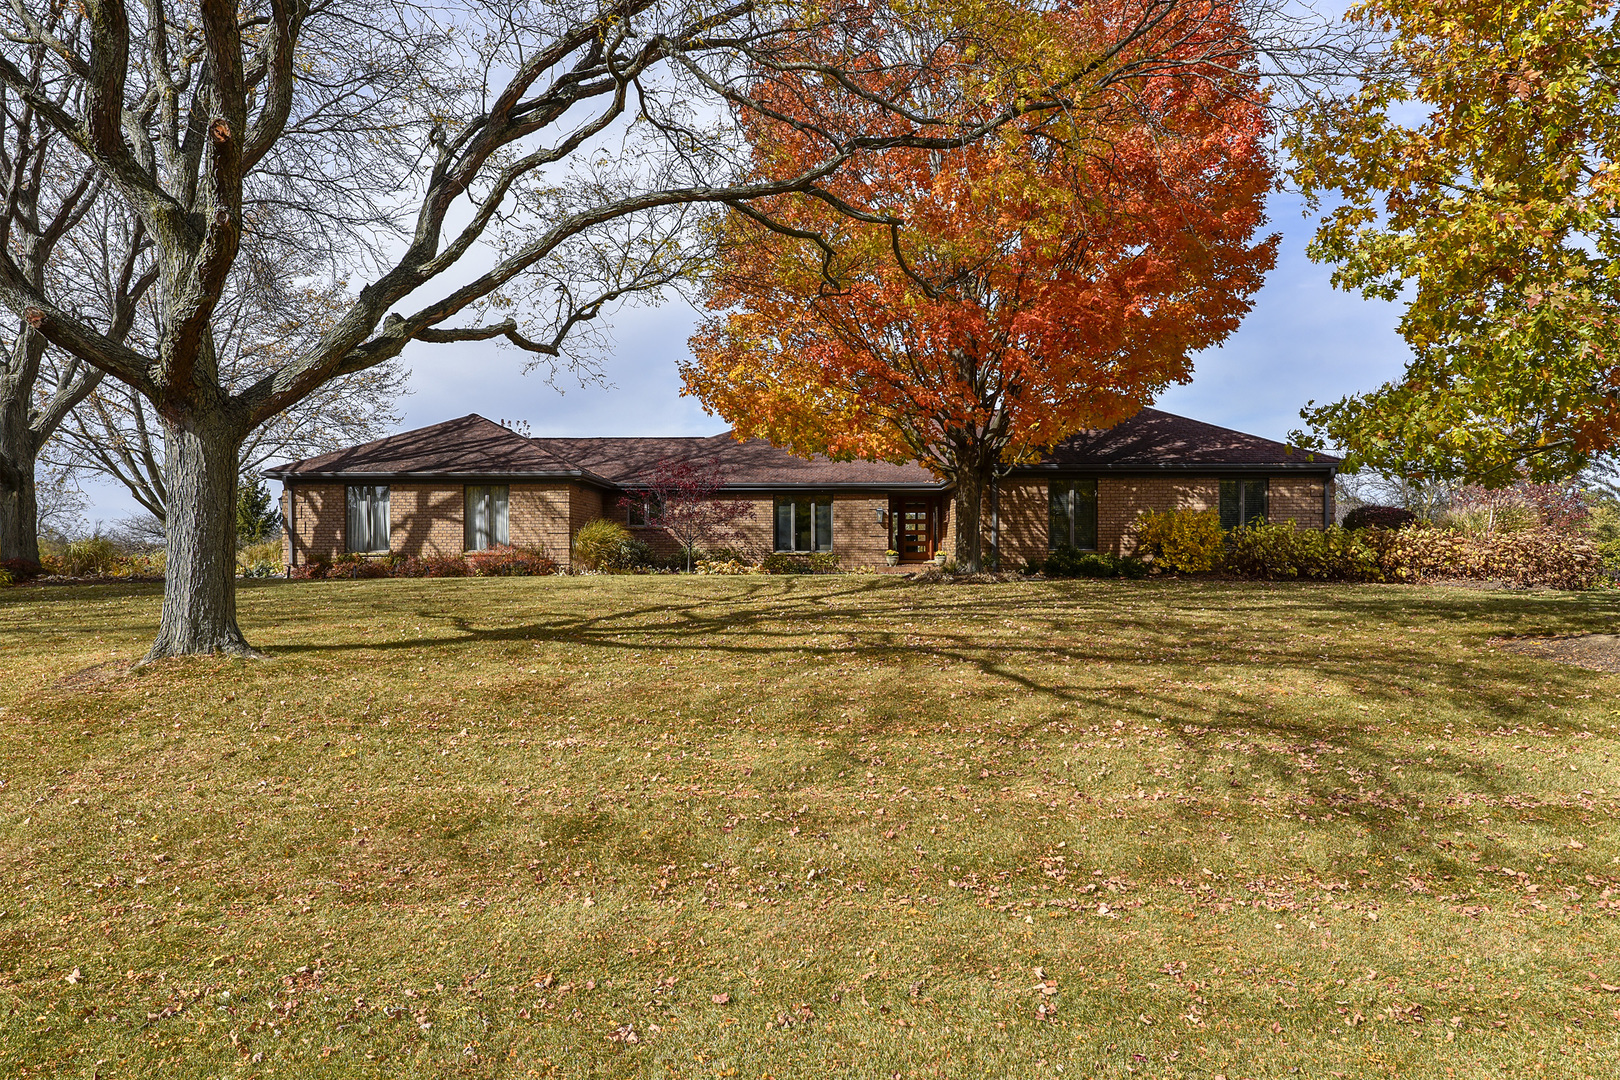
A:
x: 199, y: 586
x: 19, y: 514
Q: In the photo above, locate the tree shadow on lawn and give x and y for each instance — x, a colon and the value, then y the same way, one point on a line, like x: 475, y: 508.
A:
x: 1186, y: 643
x: 769, y: 620
x: 1152, y: 654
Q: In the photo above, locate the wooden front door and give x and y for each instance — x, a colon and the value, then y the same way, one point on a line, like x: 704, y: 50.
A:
x: 916, y: 522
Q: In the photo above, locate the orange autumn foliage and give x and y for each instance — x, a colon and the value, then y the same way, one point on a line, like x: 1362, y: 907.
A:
x: 1002, y: 296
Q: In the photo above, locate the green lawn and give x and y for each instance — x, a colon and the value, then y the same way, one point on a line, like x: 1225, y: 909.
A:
x: 767, y: 827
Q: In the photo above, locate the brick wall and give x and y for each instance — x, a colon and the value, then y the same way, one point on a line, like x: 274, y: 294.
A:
x: 317, y: 520
x: 584, y: 506
x: 430, y: 519
x: 859, y: 538
x: 426, y: 519
x: 1297, y: 499
x: 1121, y: 499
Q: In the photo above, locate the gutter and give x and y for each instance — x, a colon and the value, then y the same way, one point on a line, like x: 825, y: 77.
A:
x: 289, y: 477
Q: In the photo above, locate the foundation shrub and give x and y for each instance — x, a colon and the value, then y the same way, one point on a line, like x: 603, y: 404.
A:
x: 598, y: 543
x: 608, y: 547
x: 1068, y: 562
x: 504, y: 560
x: 1182, y: 541
x: 1282, y: 551
x: 818, y: 562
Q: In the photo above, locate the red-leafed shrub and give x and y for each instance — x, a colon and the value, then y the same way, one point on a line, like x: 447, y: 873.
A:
x: 1539, y: 556
x: 1378, y: 517
x: 504, y: 560
x: 21, y: 570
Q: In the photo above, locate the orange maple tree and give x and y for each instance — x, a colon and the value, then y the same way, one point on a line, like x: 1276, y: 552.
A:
x: 971, y: 309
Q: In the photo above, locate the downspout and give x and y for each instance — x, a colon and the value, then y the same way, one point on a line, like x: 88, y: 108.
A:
x: 292, y: 529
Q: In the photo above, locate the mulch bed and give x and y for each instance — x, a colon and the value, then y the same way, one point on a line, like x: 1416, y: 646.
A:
x: 1597, y: 652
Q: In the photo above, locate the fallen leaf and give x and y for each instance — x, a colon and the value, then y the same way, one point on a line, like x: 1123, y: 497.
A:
x: 721, y: 999
x: 75, y: 977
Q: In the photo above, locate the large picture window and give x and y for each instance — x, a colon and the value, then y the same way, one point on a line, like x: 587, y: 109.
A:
x: 1072, y: 514
x: 486, y: 516
x: 804, y: 523
x: 1243, y: 502
x: 367, y: 518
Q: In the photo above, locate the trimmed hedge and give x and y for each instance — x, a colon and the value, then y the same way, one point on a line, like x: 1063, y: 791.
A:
x: 1282, y: 551
x: 1538, y: 556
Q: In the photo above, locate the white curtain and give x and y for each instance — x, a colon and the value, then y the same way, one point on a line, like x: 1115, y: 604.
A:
x: 486, y: 516
x: 368, y: 517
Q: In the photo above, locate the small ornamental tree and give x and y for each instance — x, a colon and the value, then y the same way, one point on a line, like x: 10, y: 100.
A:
x: 679, y: 497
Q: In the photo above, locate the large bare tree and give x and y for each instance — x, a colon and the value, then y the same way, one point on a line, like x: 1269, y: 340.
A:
x: 47, y: 189
x: 275, y: 305
x: 519, y: 149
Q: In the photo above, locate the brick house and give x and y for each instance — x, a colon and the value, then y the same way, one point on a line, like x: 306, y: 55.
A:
x: 469, y: 483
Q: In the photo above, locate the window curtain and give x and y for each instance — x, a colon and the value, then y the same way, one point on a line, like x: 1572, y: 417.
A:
x: 367, y: 518
x: 486, y: 516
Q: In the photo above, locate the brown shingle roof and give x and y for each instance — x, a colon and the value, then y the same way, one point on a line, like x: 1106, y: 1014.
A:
x: 1155, y: 439
x: 473, y: 446
x: 469, y: 446
x: 752, y: 463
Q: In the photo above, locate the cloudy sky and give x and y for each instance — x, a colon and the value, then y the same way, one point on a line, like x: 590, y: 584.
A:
x: 1303, y: 340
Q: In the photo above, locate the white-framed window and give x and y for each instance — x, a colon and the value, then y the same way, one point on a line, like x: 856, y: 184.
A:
x: 367, y: 529
x: 1072, y: 514
x: 804, y: 523
x: 486, y: 516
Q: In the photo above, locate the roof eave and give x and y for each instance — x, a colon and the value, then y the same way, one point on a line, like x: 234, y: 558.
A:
x: 1181, y: 468
x: 422, y: 477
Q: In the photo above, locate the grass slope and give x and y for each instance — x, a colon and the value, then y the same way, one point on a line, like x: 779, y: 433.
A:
x: 835, y: 827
